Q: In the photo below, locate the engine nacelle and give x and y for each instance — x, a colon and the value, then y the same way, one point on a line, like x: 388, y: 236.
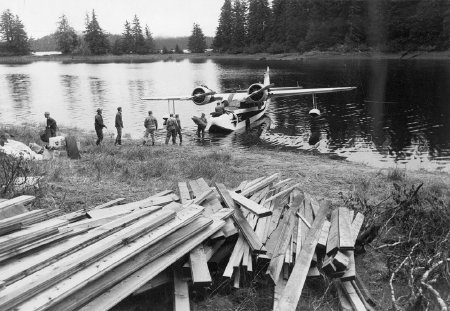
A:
x: 202, y: 95
x: 257, y: 97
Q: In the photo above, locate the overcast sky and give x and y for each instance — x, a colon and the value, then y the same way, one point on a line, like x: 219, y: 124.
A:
x: 167, y: 18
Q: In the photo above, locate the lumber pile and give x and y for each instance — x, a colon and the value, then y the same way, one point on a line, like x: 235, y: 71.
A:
x: 95, y: 258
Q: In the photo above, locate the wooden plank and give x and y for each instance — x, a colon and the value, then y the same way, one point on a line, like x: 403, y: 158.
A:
x: 19, y: 268
x: 250, y: 205
x: 281, y: 183
x: 362, y: 297
x: 241, y: 186
x: 180, y: 292
x: 278, y: 291
x: 350, y: 273
x: 129, y: 207
x: 23, y: 199
x: 184, y: 192
x: 236, y: 277
x: 333, y: 235
x: 322, y: 243
x: 345, y: 233
x: 260, y: 185
x: 245, y: 252
x: 250, y: 262
x: 28, y: 235
x: 228, y: 272
x: 284, y: 192
x: 247, y: 231
x: 294, y: 286
x: 10, y: 228
x: 21, y: 217
x: 314, y: 205
x: 34, y: 245
x: 344, y: 303
x: 277, y: 259
x: 96, y: 270
x: 128, y: 284
x: 163, y: 278
x: 12, y: 210
x: 199, y: 266
x: 353, y: 297
x: 212, y: 203
x: 341, y: 261
x: 229, y: 229
x: 110, y: 203
x: 195, y: 188
x: 54, y: 273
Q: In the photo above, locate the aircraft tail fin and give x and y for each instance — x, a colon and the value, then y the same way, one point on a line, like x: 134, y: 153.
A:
x: 266, y: 77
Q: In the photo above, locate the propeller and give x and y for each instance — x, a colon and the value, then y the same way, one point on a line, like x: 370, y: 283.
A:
x: 266, y: 87
x: 201, y: 95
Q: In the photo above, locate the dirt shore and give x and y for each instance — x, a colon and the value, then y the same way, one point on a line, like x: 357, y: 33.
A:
x: 440, y: 55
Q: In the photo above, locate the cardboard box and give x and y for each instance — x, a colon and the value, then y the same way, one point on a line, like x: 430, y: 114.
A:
x: 58, y: 142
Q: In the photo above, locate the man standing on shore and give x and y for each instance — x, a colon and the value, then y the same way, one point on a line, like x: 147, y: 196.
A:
x: 51, y: 126
x: 177, y: 117
x: 151, y: 125
x: 201, y: 127
x: 171, y: 126
x: 119, y: 126
x: 99, y: 125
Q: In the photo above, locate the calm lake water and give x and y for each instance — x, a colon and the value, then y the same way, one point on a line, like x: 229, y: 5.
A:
x: 399, y: 114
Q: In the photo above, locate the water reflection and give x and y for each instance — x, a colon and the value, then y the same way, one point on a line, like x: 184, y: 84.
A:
x: 20, y: 89
x: 399, y: 113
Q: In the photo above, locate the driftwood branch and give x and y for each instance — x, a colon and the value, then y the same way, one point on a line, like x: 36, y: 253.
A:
x: 434, y: 292
x: 391, y: 280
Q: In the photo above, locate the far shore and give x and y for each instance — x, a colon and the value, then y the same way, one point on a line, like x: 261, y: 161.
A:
x: 311, y: 55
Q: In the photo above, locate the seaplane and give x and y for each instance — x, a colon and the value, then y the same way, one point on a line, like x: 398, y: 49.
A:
x: 240, y: 108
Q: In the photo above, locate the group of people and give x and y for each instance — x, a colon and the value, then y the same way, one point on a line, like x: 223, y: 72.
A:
x: 173, y: 127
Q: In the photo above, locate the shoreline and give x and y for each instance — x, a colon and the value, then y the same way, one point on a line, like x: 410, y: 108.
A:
x: 311, y: 55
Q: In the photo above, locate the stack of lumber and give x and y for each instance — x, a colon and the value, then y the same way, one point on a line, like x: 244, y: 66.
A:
x: 93, y: 259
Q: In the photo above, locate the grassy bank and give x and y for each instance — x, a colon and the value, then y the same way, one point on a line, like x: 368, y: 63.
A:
x: 443, y: 55
x: 415, y: 206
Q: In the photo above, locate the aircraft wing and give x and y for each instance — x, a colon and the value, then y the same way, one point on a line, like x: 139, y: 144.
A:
x: 298, y: 91
x: 168, y: 98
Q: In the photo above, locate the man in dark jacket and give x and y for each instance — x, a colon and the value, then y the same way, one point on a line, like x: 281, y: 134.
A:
x: 119, y: 126
x: 201, y: 127
x: 171, y: 127
x: 51, y: 125
x: 177, y: 117
x: 99, y: 125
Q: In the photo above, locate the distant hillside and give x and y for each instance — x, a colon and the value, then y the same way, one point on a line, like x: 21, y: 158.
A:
x: 182, y: 42
x: 44, y: 44
x: 48, y: 43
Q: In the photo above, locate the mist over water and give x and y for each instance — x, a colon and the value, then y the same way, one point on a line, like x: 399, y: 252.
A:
x: 399, y: 114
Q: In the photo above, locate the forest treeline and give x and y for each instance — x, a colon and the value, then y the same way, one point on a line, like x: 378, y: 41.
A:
x: 252, y: 26
x: 344, y: 25
x: 135, y: 38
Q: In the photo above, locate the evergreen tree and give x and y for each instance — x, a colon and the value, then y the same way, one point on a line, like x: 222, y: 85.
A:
x: 94, y: 36
x: 297, y: 24
x: 149, y: 43
x: 258, y: 23
x: 178, y: 50
x: 239, y: 35
x: 356, y: 34
x: 165, y: 50
x: 14, y: 35
x: 197, y: 40
x: 127, y: 40
x: 224, y: 32
x: 66, y: 37
x: 138, y: 37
